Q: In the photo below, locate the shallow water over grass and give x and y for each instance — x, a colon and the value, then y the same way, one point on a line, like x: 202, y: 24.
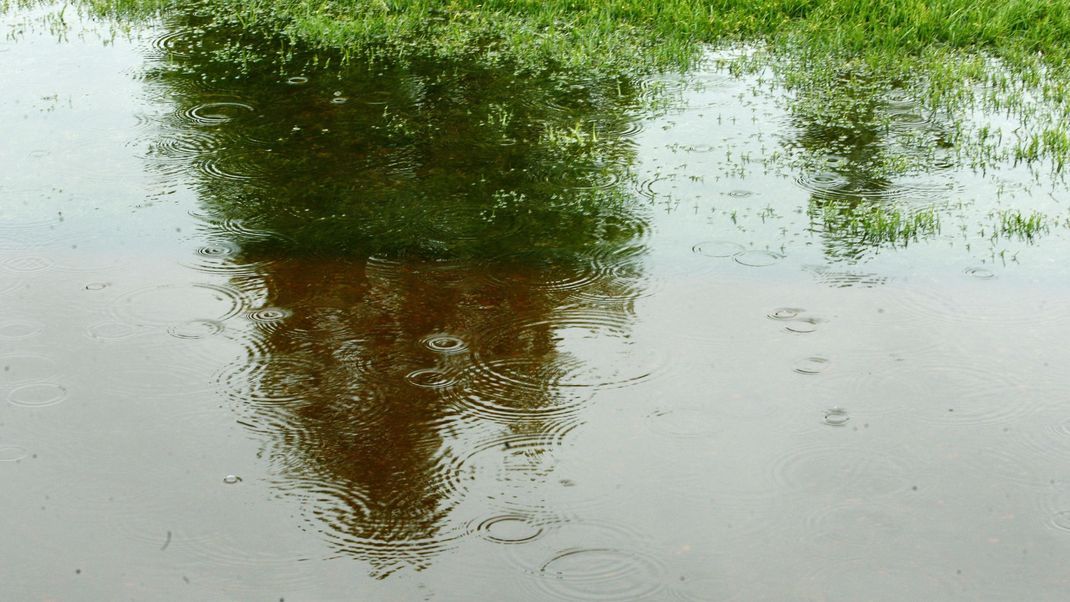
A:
x: 436, y: 333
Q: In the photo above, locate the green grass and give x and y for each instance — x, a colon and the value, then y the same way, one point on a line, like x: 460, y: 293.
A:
x: 875, y: 225
x: 1018, y: 224
x: 625, y: 35
x: 1008, y: 57
x: 1013, y: 56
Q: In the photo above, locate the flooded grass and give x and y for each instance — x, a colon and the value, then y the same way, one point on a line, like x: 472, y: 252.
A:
x: 1014, y: 223
x: 878, y: 225
x: 620, y: 35
x: 950, y: 57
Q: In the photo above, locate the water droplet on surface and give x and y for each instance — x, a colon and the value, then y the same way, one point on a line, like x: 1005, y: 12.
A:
x: 430, y: 378
x: 12, y: 453
x: 980, y: 273
x: 812, y: 365
x: 785, y: 313
x: 803, y: 326
x: 97, y: 286
x: 269, y: 315
x: 757, y: 258
x: 217, y: 113
x: 218, y: 250
x: 230, y: 167
x: 822, y: 181
x: 231, y: 479
x: 37, y: 395
x: 836, y: 417
x: 196, y: 329
x: 509, y: 529
x: 175, y: 41
x: 445, y: 343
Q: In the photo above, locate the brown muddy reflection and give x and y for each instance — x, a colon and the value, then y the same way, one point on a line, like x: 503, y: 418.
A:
x: 359, y: 405
x: 423, y: 245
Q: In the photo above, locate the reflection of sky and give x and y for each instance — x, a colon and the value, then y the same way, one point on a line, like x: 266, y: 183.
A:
x: 72, y: 153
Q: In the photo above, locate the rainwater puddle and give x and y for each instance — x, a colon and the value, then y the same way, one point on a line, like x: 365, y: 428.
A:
x: 461, y: 342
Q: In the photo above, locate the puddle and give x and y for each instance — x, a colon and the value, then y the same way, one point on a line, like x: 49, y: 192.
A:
x: 441, y: 319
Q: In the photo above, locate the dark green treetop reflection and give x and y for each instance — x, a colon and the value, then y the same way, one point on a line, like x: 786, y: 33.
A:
x: 433, y: 160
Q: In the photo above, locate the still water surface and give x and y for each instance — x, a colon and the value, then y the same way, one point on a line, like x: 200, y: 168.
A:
x: 436, y: 333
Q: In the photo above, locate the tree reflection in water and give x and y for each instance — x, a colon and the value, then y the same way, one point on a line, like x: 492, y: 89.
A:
x: 415, y: 244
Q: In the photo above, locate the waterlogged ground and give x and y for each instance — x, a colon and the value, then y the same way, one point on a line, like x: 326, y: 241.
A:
x: 432, y: 333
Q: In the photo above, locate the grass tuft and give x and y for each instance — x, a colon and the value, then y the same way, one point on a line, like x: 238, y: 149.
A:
x: 875, y: 225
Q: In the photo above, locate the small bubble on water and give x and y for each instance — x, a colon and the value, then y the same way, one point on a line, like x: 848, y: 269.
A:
x: 757, y: 258
x: 980, y: 273
x: 12, y: 453
x: 430, y: 378
x: 812, y: 365
x: 266, y: 315
x: 784, y: 313
x: 445, y: 343
x: 836, y: 417
x: 509, y: 529
x: 802, y: 326
x: 37, y: 395
x: 297, y: 80
x: 231, y: 479
x: 218, y: 250
x: 97, y: 286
